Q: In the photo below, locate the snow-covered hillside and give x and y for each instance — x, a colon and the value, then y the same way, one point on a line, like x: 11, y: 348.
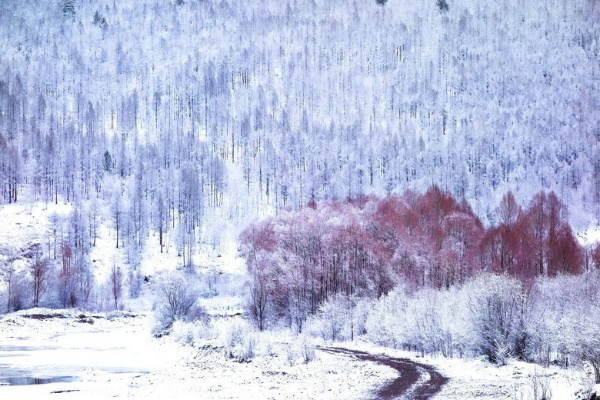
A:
x: 393, y: 166
x: 272, y: 104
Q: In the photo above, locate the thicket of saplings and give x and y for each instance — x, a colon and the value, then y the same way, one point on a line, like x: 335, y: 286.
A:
x: 178, y: 314
x: 421, y: 272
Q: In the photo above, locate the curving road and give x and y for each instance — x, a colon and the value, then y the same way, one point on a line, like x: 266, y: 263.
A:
x: 416, y: 381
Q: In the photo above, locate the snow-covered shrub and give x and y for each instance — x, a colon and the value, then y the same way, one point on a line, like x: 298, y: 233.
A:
x: 16, y: 296
x: 562, y: 322
x: 335, y: 318
x: 176, y: 301
x: 426, y: 326
x: 537, y: 388
x: 183, y: 333
x: 587, y: 390
x: 292, y: 355
x: 484, y: 315
x: 385, y: 323
x: 189, y: 332
x: 360, y: 314
x: 540, y: 386
x: 427, y: 320
x: 239, y: 340
x: 301, y: 349
x: 307, y: 349
x: 496, y: 308
x: 248, y: 350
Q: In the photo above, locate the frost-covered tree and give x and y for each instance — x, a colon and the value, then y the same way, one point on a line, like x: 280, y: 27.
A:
x: 176, y: 299
x: 497, y: 305
x: 442, y: 5
x: 68, y: 8
x: 116, y: 284
x: 40, y: 271
x: 12, y: 281
x: 560, y: 322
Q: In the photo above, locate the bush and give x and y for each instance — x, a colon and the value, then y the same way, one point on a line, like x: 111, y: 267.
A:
x: 307, y: 349
x: 335, y: 317
x: 496, y: 314
x: 540, y: 387
x: 176, y: 301
x: 562, y: 322
x: 385, y: 323
x: 239, y: 340
x: 301, y: 349
x: 188, y: 333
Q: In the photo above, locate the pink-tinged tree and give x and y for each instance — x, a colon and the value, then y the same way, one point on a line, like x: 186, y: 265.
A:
x: 257, y: 243
x: 461, y: 247
x: 509, y: 211
x: 39, y: 277
x: 566, y: 254
x: 435, y: 204
x: 557, y: 233
x: 522, y: 245
x: 451, y: 234
x: 491, y: 251
x: 555, y: 248
x: 364, y: 248
x: 595, y: 256
x: 500, y: 244
x: 539, y: 222
x: 396, y: 228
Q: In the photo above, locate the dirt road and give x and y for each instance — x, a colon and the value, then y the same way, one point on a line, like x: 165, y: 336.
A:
x: 416, y: 381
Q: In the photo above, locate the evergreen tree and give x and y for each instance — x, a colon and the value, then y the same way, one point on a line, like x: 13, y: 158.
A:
x: 68, y: 8
x: 442, y: 5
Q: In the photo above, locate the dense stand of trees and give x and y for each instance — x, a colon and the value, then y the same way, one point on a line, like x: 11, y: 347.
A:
x: 549, y: 321
x: 54, y: 272
x: 365, y: 247
x: 267, y: 105
x: 421, y: 272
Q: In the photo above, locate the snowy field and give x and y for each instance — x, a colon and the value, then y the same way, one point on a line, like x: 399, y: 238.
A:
x: 118, y: 357
x: 478, y: 379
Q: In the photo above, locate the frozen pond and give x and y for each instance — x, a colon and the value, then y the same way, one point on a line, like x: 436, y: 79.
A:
x: 68, y: 355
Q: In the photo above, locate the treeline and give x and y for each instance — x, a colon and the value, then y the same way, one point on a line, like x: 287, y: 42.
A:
x: 365, y: 247
x: 549, y: 321
x: 62, y: 277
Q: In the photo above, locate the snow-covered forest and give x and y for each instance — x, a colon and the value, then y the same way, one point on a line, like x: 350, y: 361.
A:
x: 247, y: 107
x: 373, y: 161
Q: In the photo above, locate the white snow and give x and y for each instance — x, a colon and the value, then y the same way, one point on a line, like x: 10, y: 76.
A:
x: 120, y: 358
x: 478, y: 379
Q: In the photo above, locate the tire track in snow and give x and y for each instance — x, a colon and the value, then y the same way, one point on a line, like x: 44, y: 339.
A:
x: 416, y: 381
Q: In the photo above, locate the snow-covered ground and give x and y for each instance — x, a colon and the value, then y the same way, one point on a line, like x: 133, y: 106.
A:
x: 478, y: 379
x: 118, y: 357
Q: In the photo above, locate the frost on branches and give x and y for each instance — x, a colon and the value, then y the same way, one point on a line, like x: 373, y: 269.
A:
x: 443, y: 282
